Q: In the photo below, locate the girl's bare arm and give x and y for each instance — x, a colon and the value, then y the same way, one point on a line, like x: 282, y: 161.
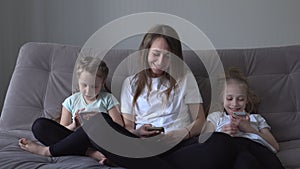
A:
x: 66, y: 117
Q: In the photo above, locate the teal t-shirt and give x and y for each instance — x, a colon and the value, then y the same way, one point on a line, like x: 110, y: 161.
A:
x: 105, y: 101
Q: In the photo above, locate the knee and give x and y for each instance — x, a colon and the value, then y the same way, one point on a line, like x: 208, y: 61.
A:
x: 223, y: 141
x: 220, y: 137
x: 40, y: 124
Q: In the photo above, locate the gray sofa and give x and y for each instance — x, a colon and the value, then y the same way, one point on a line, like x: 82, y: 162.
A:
x: 43, y: 78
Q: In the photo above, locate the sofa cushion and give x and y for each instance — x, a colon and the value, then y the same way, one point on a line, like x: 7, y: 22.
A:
x: 289, y: 153
x: 40, y: 82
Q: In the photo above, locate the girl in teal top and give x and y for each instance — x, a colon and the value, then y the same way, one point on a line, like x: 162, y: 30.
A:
x: 91, y: 74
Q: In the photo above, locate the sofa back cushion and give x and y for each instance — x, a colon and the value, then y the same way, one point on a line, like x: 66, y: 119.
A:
x: 40, y: 82
x: 43, y: 79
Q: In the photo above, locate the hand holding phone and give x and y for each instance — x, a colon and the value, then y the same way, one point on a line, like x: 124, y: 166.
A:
x: 160, y: 129
x: 86, y: 115
x: 240, y: 113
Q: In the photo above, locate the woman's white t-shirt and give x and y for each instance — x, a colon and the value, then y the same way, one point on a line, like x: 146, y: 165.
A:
x: 154, y: 109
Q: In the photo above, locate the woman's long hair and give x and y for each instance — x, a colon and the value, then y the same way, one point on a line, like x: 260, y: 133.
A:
x: 175, y: 70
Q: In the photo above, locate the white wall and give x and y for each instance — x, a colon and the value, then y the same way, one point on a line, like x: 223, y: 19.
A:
x: 227, y: 23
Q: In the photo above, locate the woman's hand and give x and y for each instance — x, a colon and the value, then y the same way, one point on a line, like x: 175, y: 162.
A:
x: 174, y: 136
x: 144, y: 132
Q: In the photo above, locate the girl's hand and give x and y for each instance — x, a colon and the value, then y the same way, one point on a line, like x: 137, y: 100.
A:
x: 244, y: 124
x: 76, y: 117
x: 76, y: 122
x: 230, y: 129
x: 236, y: 120
x: 144, y: 132
x: 72, y: 126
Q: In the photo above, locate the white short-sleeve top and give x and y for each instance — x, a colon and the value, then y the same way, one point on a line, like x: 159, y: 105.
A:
x: 153, y: 108
x: 219, y: 119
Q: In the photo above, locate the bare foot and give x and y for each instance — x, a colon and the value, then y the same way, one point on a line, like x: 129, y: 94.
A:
x: 97, y: 155
x: 34, y: 147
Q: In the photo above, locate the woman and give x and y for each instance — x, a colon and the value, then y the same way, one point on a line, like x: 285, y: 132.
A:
x: 165, y: 94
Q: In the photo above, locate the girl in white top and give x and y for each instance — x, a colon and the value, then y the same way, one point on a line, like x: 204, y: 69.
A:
x: 237, y: 97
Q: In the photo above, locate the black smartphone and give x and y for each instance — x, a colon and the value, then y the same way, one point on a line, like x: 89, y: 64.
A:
x: 160, y: 129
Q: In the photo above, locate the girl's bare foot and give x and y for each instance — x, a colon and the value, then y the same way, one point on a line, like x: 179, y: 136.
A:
x: 34, y: 147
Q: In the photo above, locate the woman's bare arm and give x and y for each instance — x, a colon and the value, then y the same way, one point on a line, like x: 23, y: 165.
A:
x: 198, y: 119
x: 116, y: 115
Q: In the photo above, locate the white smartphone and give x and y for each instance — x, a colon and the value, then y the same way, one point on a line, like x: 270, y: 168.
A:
x: 85, y: 115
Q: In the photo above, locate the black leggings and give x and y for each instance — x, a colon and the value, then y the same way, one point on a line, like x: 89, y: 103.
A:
x: 218, y: 151
x: 60, y: 139
x: 256, y: 154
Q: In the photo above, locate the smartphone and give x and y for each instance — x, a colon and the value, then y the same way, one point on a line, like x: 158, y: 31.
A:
x: 86, y: 115
x: 160, y: 129
x: 240, y: 113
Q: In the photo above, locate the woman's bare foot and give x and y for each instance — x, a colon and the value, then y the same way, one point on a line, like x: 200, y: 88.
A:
x: 97, y: 155
x: 34, y: 147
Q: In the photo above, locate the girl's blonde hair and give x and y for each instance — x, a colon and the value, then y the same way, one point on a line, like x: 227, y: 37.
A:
x: 176, y: 67
x: 93, y: 65
x: 235, y: 74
